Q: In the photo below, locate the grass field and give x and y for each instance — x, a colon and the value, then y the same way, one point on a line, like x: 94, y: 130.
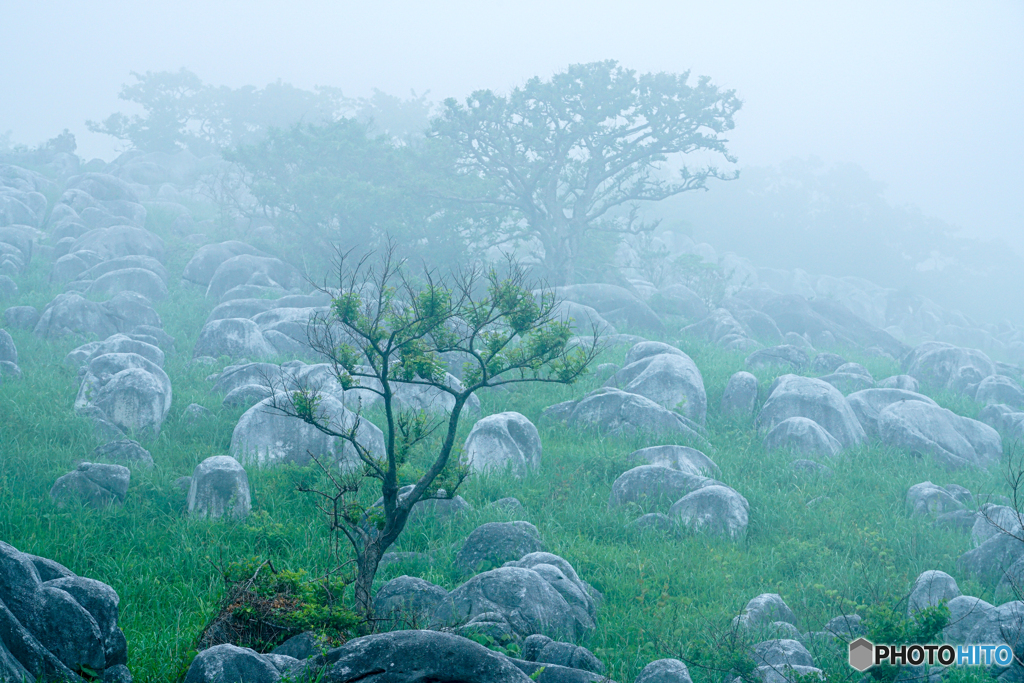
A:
x: 856, y: 546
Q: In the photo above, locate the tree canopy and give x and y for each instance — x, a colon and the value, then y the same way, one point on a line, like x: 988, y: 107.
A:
x: 572, y: 156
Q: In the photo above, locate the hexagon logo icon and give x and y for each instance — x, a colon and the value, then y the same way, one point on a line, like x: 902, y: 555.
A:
x: 862, y: 654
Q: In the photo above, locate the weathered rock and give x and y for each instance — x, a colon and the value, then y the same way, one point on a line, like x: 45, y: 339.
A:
x: 131, y: 391
x: 957, y: 520
x: 8, y: 351
x: 195, y: 413
x: 495, y: 543
x: 140, y: 280
x: 988, y: 561
x: 930, y: 589
x: 116, y: 343
x: 763, y: 611
x: 232, y: 337
x: 503, y: 441
x: 654, y: 485
x: 265, y: 436
x: 997, y: 389
x: 794, y: 396
x: 208, y: 258
x: 801, y: 435
x: 715, y: 509
x: 869, y: 403
x: 669, y: 379
x: 845, y: 626
x: 583, y: 320
x: 664, y: 671
x: 219, y: 488
x: 782, y: 652
x: 848, y: 382
x: 826, y: 363
x: 993, y: 520
x: 577, y: 593
x: 950, y: 439
x: 679, y: 300
x: 965, y: 612
x: 938, y: 366
x: 72, y: 314
x: 540, y: 648
x: 93, y: 484
x: 21, y: 317
x: 740, y: 396
x: 123, y: 452
x: 238, y: 270
x: 120, y: 240
x: 615, y: 304
x: 613, y: 412
x: 409, y: 602
x: 246, y: 396
x: 1002, y: 624
x: 786, y: 356
x: 226, y: 662
x: 1011, y: 583
x: 928, y: 499
x: 682, y: 458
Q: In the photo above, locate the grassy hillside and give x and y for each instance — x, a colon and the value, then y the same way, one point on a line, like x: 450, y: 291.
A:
x: 854, y: 546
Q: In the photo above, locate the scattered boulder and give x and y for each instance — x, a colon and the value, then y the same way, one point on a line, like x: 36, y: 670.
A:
x: 930, y: 589
x: 715, y: 509
x: 116, y: 343
x: 239, y: 270
x: 21, y: 317
x: 801, y: 435
x: 904, y: 382
x: 505, y: 440
x: 123, y: 452
x: 265, y: 436
x: 227, y: 662
x: 131, y: 392
x: 740, y: 396
x: 204, y: 263
x: 998, y: 389
x: 993, y: 520
x: 664, y: 671
x: 234, y: 338
x: 651, y: 485
x: 927, y: 499
x: 614, y: 412
x: 782, y: 652
x: 682, y: 458
x: 583, y: 320
x: 826, y: 363
x: 219, y: 488
x: 1011, y: 584
x: 965, y: 612
x: 763, y: 610
x: 790, y: 357
x: 195, y: 413
x: 679, y: 300
x: 8, y: 351
x: 120, y: 240
x: 616, y: 304
x: 939, y: 366
x: 93, y: 484
x: 495, y: 543
x: 540, y: 648
x: 795, y: 396
x: 246, y: 396
x: 868, y: 404
x: 950, y: 439
x: 671, y: 380
x: 71, y: 314
x: 140, y: 280
x: 988, y: 561
x: 57, y: 624
x: 846, y: 626
x: 849, y: 382
x: 409, y: 602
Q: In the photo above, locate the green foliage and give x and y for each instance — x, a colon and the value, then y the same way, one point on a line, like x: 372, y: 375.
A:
x: 572, y: 156
x: 887, y: 622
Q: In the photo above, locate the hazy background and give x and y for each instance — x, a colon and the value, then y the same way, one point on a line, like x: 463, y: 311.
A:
x: 926, y: 96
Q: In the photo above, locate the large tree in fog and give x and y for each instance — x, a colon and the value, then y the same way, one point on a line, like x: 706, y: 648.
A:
x: 571, y: 157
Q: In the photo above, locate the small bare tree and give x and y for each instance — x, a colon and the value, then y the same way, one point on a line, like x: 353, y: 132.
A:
x: 384, y: 330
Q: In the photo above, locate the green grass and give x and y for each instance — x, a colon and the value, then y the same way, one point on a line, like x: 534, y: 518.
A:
x: 661, y: 592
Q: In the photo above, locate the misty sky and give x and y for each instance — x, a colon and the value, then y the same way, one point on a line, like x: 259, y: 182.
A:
x: 925, y: 95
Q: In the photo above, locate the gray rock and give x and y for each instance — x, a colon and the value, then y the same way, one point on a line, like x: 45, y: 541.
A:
x: 740, y: 396
x: 961, y: 493
x: 246, y: 396
x: 801, y: 435
x: 120, y: 240
x: 265, y: 436
x: 846, y: 626
x: 993, y: 520
x: 71, y: 314
x: 938, y: 366
x: 799, y: 341
x: 654, y: 485
x: 848, y: 382
x: 928, y: 499
x: 133, y: 393
x: 794, y: 396
x: 782, y: 652
x: 679, y: 300
x: 240, y: 308
x: 809, y: 468
x: 302, y: 646
x: 259, y: 374
x: 964, y: 614
x: 988, y: 561
x: 671, y: 380
x: 496, y: 543
x: 145, y: 262
x: 868, y: 404
x: 238, y: 270
x: 226, y: 662
x: 957, y: 520
x: 787, y: 674
x: 998, y: 389
x: 826, y: 363
x: 219, y: 488
x: 763, y: 611
x: 116, y: 343
x: 509, y: 505
x: 8, y: 351
x: 195, y: 414
x: 664, y: 671
x: 8, y: 288
x: 682, y: 458
x: 583, y: 320
x: 540, y: 648
x: 1002, y: 624
x: 616, y: 304
x: 140, y: 280
x: 1011, y: 584
x: 208, y: 258
x: 408, y: 657
x: 930, y: 589
x: 409, y: 602
x: 653, y: 520
x: 123, y: 452
x: 950, y: 439
x: 786, y: 356
x: 436, y: 508
x: 613, y: 412
x: 503, y: 441
x: 21, y: 317
x: 904, y: 382
x: 163, y: 341
x: 232, y: 337
x: 93, y: 484
x: 715, y: 509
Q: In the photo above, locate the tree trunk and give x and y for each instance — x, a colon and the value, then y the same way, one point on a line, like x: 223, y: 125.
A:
x: 366, y: 563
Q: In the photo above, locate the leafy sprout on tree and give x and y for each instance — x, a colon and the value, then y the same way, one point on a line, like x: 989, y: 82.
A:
x: 385, y: 329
